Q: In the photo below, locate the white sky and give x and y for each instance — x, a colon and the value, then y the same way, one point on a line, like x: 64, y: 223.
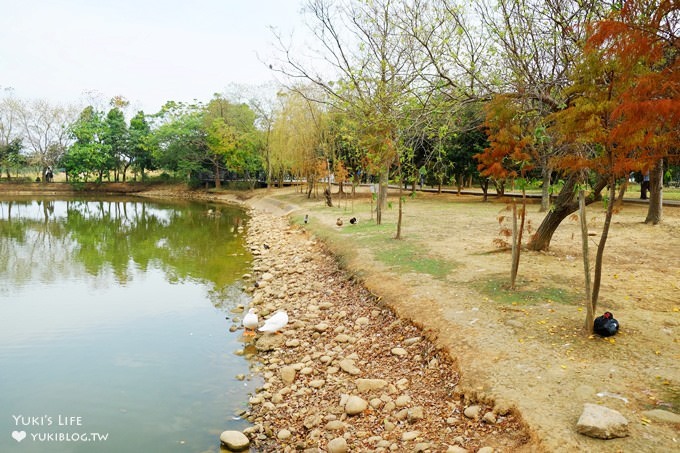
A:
x: 149, y: 51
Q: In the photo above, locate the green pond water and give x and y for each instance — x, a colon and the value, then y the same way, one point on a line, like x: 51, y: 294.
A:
x: 114, y: 325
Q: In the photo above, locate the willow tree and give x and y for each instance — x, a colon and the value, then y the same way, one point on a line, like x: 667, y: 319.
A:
x: 366, y: 72
x: 297, y: 136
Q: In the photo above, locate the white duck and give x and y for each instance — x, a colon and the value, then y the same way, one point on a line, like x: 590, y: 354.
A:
x: 277, y: 322
x: 250, y: 322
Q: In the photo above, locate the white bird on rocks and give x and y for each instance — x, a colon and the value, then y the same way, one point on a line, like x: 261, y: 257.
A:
x: 277, y: 322
x: 250, y: 322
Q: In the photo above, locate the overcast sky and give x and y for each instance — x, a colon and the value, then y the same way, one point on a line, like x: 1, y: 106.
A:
x: 149, y: 51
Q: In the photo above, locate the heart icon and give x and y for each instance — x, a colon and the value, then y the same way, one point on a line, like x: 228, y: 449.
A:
x: 19, y: 435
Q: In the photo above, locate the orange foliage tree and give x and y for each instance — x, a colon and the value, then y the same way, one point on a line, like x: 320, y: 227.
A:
x: 508, y: 157
x: 625, y: 113
x: 642, y: 38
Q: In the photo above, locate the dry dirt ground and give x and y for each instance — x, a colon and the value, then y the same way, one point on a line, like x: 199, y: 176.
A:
x: 527, y: 347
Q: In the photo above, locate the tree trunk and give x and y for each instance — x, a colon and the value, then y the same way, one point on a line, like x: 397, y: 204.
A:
x: 597, y: 277
x: 382, y: 195
x: 401, y: 202
x: 125, y: 168
x: 218, y: 183
x: 564, y: 205
x: 590, y: 310
x: 269, y: 169
x: 327, y: 195
x: 545, y: 190
x: 622, y: 192
x: 655, y: 208
x: 484, y: 184
x: 515, y: 246
x: 517, y: 236
x: 500, y: 187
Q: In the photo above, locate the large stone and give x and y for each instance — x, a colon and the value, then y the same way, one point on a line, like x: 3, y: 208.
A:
x: 456, y: 449
x: 367, y: 385
x: 311, y: 421
x: 601, y: 422
x: 338, y: 445
x: 410, y: 435
x: 415, y: 413
x: 489, y: 418
x: 334, y: 425
x: 321, y: 327
x: 269, y: 342
x: 347, y: 365
x: 355, y: 405
x: 234, y: 440
x: 411, y: 341
x: 317, y: 383
x: 472, y: 412
x: 283, y: 434
x: 287, y: 374
x: 343, y: 338
x: 663, y: 416
x: 403, y: 400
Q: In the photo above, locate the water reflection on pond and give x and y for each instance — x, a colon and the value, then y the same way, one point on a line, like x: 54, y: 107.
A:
x: 113, y: 317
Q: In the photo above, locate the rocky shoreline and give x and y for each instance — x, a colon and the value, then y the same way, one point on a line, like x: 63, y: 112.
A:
x: 346, y: 374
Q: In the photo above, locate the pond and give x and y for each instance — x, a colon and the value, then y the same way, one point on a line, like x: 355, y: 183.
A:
x: 114, y: 325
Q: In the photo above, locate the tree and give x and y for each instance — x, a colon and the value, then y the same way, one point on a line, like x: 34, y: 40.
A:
x: 262, y: 101
x: 604, y: 121
x: 9, y: 119
x: 539, y: 43
x: 141, y: 145
x: 642, y: 39
x: 370, y: 59
x: 509, y: 157
x: 345, y: 144
x: 45, y: 129
x: 231, y: 136
x: 89, y: 154
x: 10, y: 136
x: 10, y: 156
x: 297, y: 137
x: 116, y: 136
x: 180, y: 139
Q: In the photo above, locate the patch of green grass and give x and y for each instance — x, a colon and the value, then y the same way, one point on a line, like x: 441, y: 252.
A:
x: 406, y: 257
x: 498, y: 290
x: 399, y: 255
